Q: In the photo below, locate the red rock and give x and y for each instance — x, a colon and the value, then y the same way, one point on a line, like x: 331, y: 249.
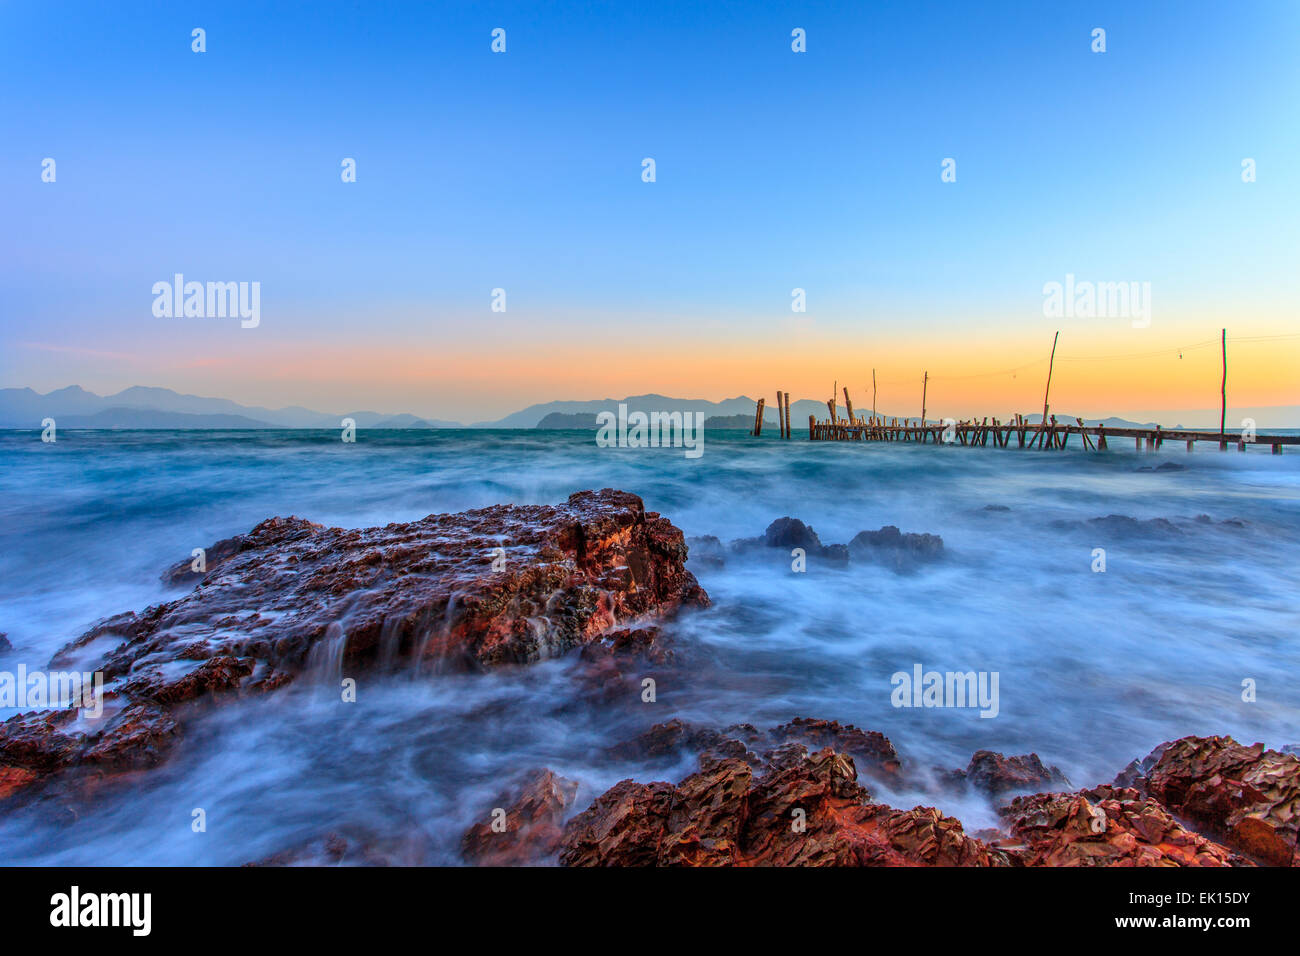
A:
x: 533, y: 824
x: 871, y: 751
x: 1247, y: 796
x: 799, y: 810
x: 13, y: 779
x: 571, y: 573
x: 994, y: 774
x: 292, y: 595
x: 1106, y: 826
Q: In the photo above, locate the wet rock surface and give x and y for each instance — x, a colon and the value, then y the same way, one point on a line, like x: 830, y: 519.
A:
x: 993, y: 774
x: 902, y: 552
x: 525, y: 826
x: 739, y: 809
x: 890, y: 547
x: 795, y: 809
x: 874, y: 755
x: 484, y: 588
x: 1107, y: 826
x: 1248, y: 796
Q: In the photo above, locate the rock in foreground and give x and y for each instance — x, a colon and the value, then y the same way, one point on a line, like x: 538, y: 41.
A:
x: 798, y: 809
x: 1107, y: 827
x: 501, y: 585
x: 1247, y: 796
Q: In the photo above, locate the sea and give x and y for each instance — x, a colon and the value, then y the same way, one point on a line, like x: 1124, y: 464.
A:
x: 1191, y: 628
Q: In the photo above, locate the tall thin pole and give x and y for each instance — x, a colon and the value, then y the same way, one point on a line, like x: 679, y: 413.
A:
x: 1050, y: 363
x: 873, y: 393
x: 1042, y: 427
x: 924, y: 384
x: 1223, y: 389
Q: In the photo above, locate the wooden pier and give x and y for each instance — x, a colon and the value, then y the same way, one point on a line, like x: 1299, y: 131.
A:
x: 1056, y: 435
x: 1044, y: 434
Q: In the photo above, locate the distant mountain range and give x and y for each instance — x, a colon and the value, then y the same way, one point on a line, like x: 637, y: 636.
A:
x: 143, y: 407
x: 534, y: 415
x: 140, y: 407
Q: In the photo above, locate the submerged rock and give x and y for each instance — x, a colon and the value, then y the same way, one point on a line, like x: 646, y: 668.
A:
x: 501, y: 585
x: 357, y: 847
x: 707, y: 551
x: 872, y: 751
x: 902, y: 552
x: 788, y: 533
x: 791, y: 533
x: 530, y: 830
x: 993, y: 774
x: 888, y: 546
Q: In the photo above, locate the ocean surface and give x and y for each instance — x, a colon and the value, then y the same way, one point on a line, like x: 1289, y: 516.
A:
x: 1094, y: 669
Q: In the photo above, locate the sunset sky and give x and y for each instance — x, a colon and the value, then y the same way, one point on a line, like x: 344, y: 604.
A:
x: 775, y: 170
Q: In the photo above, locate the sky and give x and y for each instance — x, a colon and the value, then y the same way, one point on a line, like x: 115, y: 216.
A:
x: 774, y: 170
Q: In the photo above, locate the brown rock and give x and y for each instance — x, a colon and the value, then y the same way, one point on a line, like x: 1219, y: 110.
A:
x: 800, y: 810
x: 1106, y: 826
x: 292, y: 596
x: 871, y: 751
x: 532, y: 826
x: 1247, y: 796
x: 994, y: 774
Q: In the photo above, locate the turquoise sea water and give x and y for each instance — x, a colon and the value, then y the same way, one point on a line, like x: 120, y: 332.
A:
x: 1095, y: 669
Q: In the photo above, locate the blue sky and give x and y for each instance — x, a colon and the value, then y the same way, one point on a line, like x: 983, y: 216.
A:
x: 522, y: 170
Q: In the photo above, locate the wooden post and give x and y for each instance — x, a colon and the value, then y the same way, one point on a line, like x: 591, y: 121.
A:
x: 873, y: 393
x: 848, y: 405
x: 832, y: 403
x: 1223, y: 390
x: 924, y: 383
x: 811, y: 425
x: 758, y: 418
x: 787, y: 414
x: 780, y: 415
x: 1048, y: 390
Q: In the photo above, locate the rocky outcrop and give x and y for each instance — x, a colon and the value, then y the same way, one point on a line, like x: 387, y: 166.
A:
x: 797, y: 809
x: 872, y: 752
x: 901, y: 552
x: 761, y: 798
x: 501, y: 585
x: 993, y: 774
x: 1248, y: 796
x: 1106, y: 826
x: 896, y: 550
x: 527, y: 832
